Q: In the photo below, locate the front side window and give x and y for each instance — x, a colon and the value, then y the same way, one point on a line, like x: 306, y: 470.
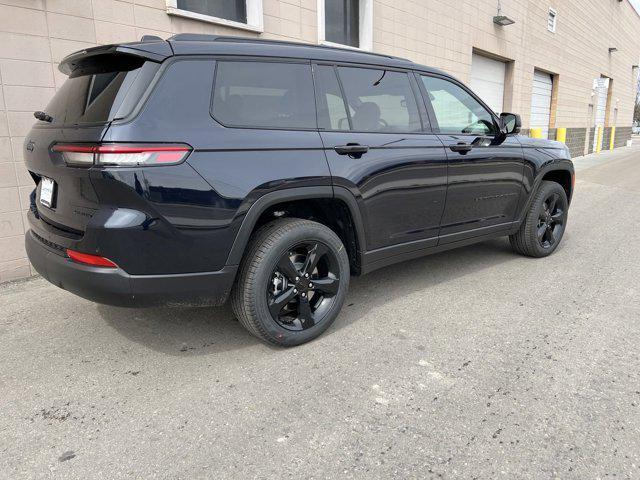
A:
x: 264, y: 95
x: 380, y: 100
x: 235, y: 10
x: 456, y: 111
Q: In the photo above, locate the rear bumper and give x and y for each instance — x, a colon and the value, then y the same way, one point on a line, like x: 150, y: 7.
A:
x: 113, y: 286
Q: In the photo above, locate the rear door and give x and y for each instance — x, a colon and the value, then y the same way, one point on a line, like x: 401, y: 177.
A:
x: 485, y: 168
x: 371, y: 125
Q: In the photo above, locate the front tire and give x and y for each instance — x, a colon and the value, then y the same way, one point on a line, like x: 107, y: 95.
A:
x: 543, y: 227
x: 292, y: 282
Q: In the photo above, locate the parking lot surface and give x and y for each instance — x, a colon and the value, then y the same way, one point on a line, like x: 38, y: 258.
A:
x: 474, y: 363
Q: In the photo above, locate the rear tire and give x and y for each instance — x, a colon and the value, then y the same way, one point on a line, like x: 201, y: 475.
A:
x: 292, y: 282
x: 543, y: 227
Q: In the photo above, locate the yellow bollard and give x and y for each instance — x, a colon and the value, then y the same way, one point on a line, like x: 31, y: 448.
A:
x: 561, y: 135
x: 612, y: 139
x: 599, y: 141
x: 535, y: 133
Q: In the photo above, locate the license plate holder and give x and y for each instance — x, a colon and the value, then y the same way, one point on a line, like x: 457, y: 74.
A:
x: 47, y: 191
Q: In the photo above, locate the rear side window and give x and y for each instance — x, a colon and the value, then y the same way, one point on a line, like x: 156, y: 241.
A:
x: 380, y: 100
x: 332, y: 113
x: 264, y: 95
x: 95, y: 93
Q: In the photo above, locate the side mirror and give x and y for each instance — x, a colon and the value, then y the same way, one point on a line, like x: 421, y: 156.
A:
x: 511, y: 123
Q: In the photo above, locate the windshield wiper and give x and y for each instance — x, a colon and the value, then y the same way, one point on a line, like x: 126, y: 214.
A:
x: 43, y: 116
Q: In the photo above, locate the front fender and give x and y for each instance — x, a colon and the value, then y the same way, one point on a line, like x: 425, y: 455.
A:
x: 536, y: 177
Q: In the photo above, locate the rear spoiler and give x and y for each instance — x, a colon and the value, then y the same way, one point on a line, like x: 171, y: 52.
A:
x: 152, y: 49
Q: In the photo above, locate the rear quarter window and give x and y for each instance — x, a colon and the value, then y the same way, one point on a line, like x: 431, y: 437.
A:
x: 264, y: 95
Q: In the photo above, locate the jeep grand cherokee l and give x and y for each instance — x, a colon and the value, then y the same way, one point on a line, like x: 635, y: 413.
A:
x: 185, y: 171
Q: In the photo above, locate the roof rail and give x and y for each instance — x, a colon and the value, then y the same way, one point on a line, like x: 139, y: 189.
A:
x: 202, y: 37
x: 194, y: 37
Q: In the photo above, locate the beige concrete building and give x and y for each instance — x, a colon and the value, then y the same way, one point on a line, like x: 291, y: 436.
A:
x: 561, y: 64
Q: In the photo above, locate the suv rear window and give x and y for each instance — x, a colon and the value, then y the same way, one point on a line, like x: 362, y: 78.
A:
x: 264, y: 95
x: 94, y: 94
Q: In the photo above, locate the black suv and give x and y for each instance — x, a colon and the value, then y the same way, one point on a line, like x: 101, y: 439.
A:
x: 185, y: 171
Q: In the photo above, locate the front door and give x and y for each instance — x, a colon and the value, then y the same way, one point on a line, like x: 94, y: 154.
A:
x: 484, y: 173
x: 372, y: 131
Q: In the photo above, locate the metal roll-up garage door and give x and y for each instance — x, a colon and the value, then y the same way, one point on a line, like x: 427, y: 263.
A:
x: 541, y: 101
x: 487, y: 80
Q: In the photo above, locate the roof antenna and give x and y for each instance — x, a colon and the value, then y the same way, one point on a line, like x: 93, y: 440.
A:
x: 377, y: 82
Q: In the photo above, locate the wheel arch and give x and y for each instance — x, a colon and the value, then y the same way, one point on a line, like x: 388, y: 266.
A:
x: 315, y: 199
x: 563, y: 176
x: 559, y: 171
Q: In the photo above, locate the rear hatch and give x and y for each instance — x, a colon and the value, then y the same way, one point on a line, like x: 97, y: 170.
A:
x: 104, y: 84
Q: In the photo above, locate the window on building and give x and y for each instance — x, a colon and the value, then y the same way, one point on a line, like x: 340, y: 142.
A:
x: 245, y: 14
x: 456, y: 111
x: 551, y: 20
x: 379, y: 100
x: 346, y: 22
x: 341, y: 22
x: 235, y: 10
x: 264, y: 95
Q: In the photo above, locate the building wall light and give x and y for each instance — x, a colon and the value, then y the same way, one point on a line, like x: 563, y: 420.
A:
x: 503, y: 20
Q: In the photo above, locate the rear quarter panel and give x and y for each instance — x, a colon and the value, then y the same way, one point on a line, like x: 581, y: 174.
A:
x: 201, y: 204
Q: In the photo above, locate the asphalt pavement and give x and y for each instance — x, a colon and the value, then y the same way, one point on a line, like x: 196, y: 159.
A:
x: 475, y: 363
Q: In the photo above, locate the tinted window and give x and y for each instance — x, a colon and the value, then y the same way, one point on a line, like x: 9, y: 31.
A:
x: 235, y: 10
x: 341, y: 22
x: 456, y: 110
x: 264, y: 94
x: 332, y: 114
x: 87, y: 97
x: 380, y: 100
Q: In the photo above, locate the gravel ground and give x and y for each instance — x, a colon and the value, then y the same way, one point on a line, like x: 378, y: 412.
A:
x: 474, y: 363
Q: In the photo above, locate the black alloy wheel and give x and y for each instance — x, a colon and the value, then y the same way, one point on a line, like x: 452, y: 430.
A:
x: 303, y: 286
x: 292, y: 281
x: 544, y: 225
x: 551, y: 220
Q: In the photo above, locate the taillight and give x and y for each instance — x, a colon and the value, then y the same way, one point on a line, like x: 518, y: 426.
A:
x: 122, y: 154
x: 89, y: 259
